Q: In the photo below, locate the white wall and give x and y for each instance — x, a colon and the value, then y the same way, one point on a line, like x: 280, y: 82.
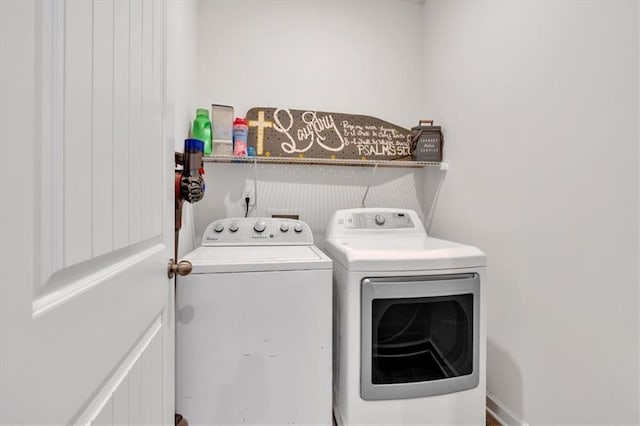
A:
x: 361, y: 57
x: 183, y: 51
x: 540, y: 106
x: 353, y: 56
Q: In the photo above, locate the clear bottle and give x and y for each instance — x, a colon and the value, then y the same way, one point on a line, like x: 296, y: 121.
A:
x: 202, y: 129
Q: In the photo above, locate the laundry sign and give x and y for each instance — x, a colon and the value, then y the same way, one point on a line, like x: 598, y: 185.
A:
x: 282, y: 132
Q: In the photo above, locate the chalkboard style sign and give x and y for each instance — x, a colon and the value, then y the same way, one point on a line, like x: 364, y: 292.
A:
x: 281, y: 132
x: 428, y: 141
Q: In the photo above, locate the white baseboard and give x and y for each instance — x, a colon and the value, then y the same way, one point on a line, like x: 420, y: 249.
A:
x: 502, y: 413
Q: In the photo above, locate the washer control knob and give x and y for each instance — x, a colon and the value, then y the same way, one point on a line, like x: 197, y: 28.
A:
x: 260, y: 226
x: 379, y: 219
x: 297, y: 227
x: 219, y: 227
x: 284, y: 227
x: 234, y: 227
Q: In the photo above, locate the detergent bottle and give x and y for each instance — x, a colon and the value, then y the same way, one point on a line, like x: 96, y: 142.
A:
x: 240, y: 132
x: 202, y: 129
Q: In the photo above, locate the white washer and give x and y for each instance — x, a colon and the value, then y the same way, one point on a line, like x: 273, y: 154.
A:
x: 254, y: 326
x: 409, y: 331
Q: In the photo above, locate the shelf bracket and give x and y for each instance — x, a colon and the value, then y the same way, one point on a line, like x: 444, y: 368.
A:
x: 444, y: 167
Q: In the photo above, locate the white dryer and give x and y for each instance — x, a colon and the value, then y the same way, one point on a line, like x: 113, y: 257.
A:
x: 409, y: 322
x: 254, y: 327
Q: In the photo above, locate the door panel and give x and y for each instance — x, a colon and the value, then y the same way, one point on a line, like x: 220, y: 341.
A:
x: 135, y: 123
x: 102, y: 128
x: 77, y: 132
x: 121, y: 116
x: 120, y: 400
x: 146, y: 141
x: 105, y: 418
x: 133, y: 394
x: 86, y: 308
x: 157, y: 112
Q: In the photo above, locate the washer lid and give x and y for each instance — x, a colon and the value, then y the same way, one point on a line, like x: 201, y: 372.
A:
x: 210, y: 260
x: 402, y: 254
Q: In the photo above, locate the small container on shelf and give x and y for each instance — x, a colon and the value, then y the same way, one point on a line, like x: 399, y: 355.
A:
x: 240, y: 133
x: 222, y: 121
x: 202, y: 129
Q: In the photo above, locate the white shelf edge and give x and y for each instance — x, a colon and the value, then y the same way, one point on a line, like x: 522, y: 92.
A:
x: 444, y: 165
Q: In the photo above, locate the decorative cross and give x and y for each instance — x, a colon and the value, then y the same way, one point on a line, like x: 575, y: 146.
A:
x: 261, y: 124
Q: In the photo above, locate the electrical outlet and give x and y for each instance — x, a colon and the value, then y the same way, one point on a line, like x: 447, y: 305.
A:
x: 248, y: 193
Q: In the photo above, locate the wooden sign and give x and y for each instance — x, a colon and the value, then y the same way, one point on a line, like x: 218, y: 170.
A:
x: 281, y: 132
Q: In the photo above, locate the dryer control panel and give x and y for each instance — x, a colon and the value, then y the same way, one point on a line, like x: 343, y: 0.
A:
x: 375, y: 221
x: 257, y: 231
x: 378, y: 219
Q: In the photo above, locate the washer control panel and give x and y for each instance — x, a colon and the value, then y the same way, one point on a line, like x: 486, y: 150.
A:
x: 257, y: 231
x: 378, y: 220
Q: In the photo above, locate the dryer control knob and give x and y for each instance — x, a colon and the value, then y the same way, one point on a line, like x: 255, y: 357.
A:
x: 260, y: 226
x: 219, y: 227
x: 234, y: 227
x: 379, y: 219
x: 297, y: 227
x: 284, y: 227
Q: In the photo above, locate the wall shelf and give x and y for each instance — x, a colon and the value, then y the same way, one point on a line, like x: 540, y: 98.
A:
x: 444, y: 165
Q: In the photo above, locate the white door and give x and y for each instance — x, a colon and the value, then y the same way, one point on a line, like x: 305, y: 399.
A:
x: 86, y: 308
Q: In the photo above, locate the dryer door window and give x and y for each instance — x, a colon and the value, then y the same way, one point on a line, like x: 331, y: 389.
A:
x: 419, y: 335
x: 421, y: 339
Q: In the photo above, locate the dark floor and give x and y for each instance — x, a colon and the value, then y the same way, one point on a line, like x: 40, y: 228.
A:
x: 491, y: 421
